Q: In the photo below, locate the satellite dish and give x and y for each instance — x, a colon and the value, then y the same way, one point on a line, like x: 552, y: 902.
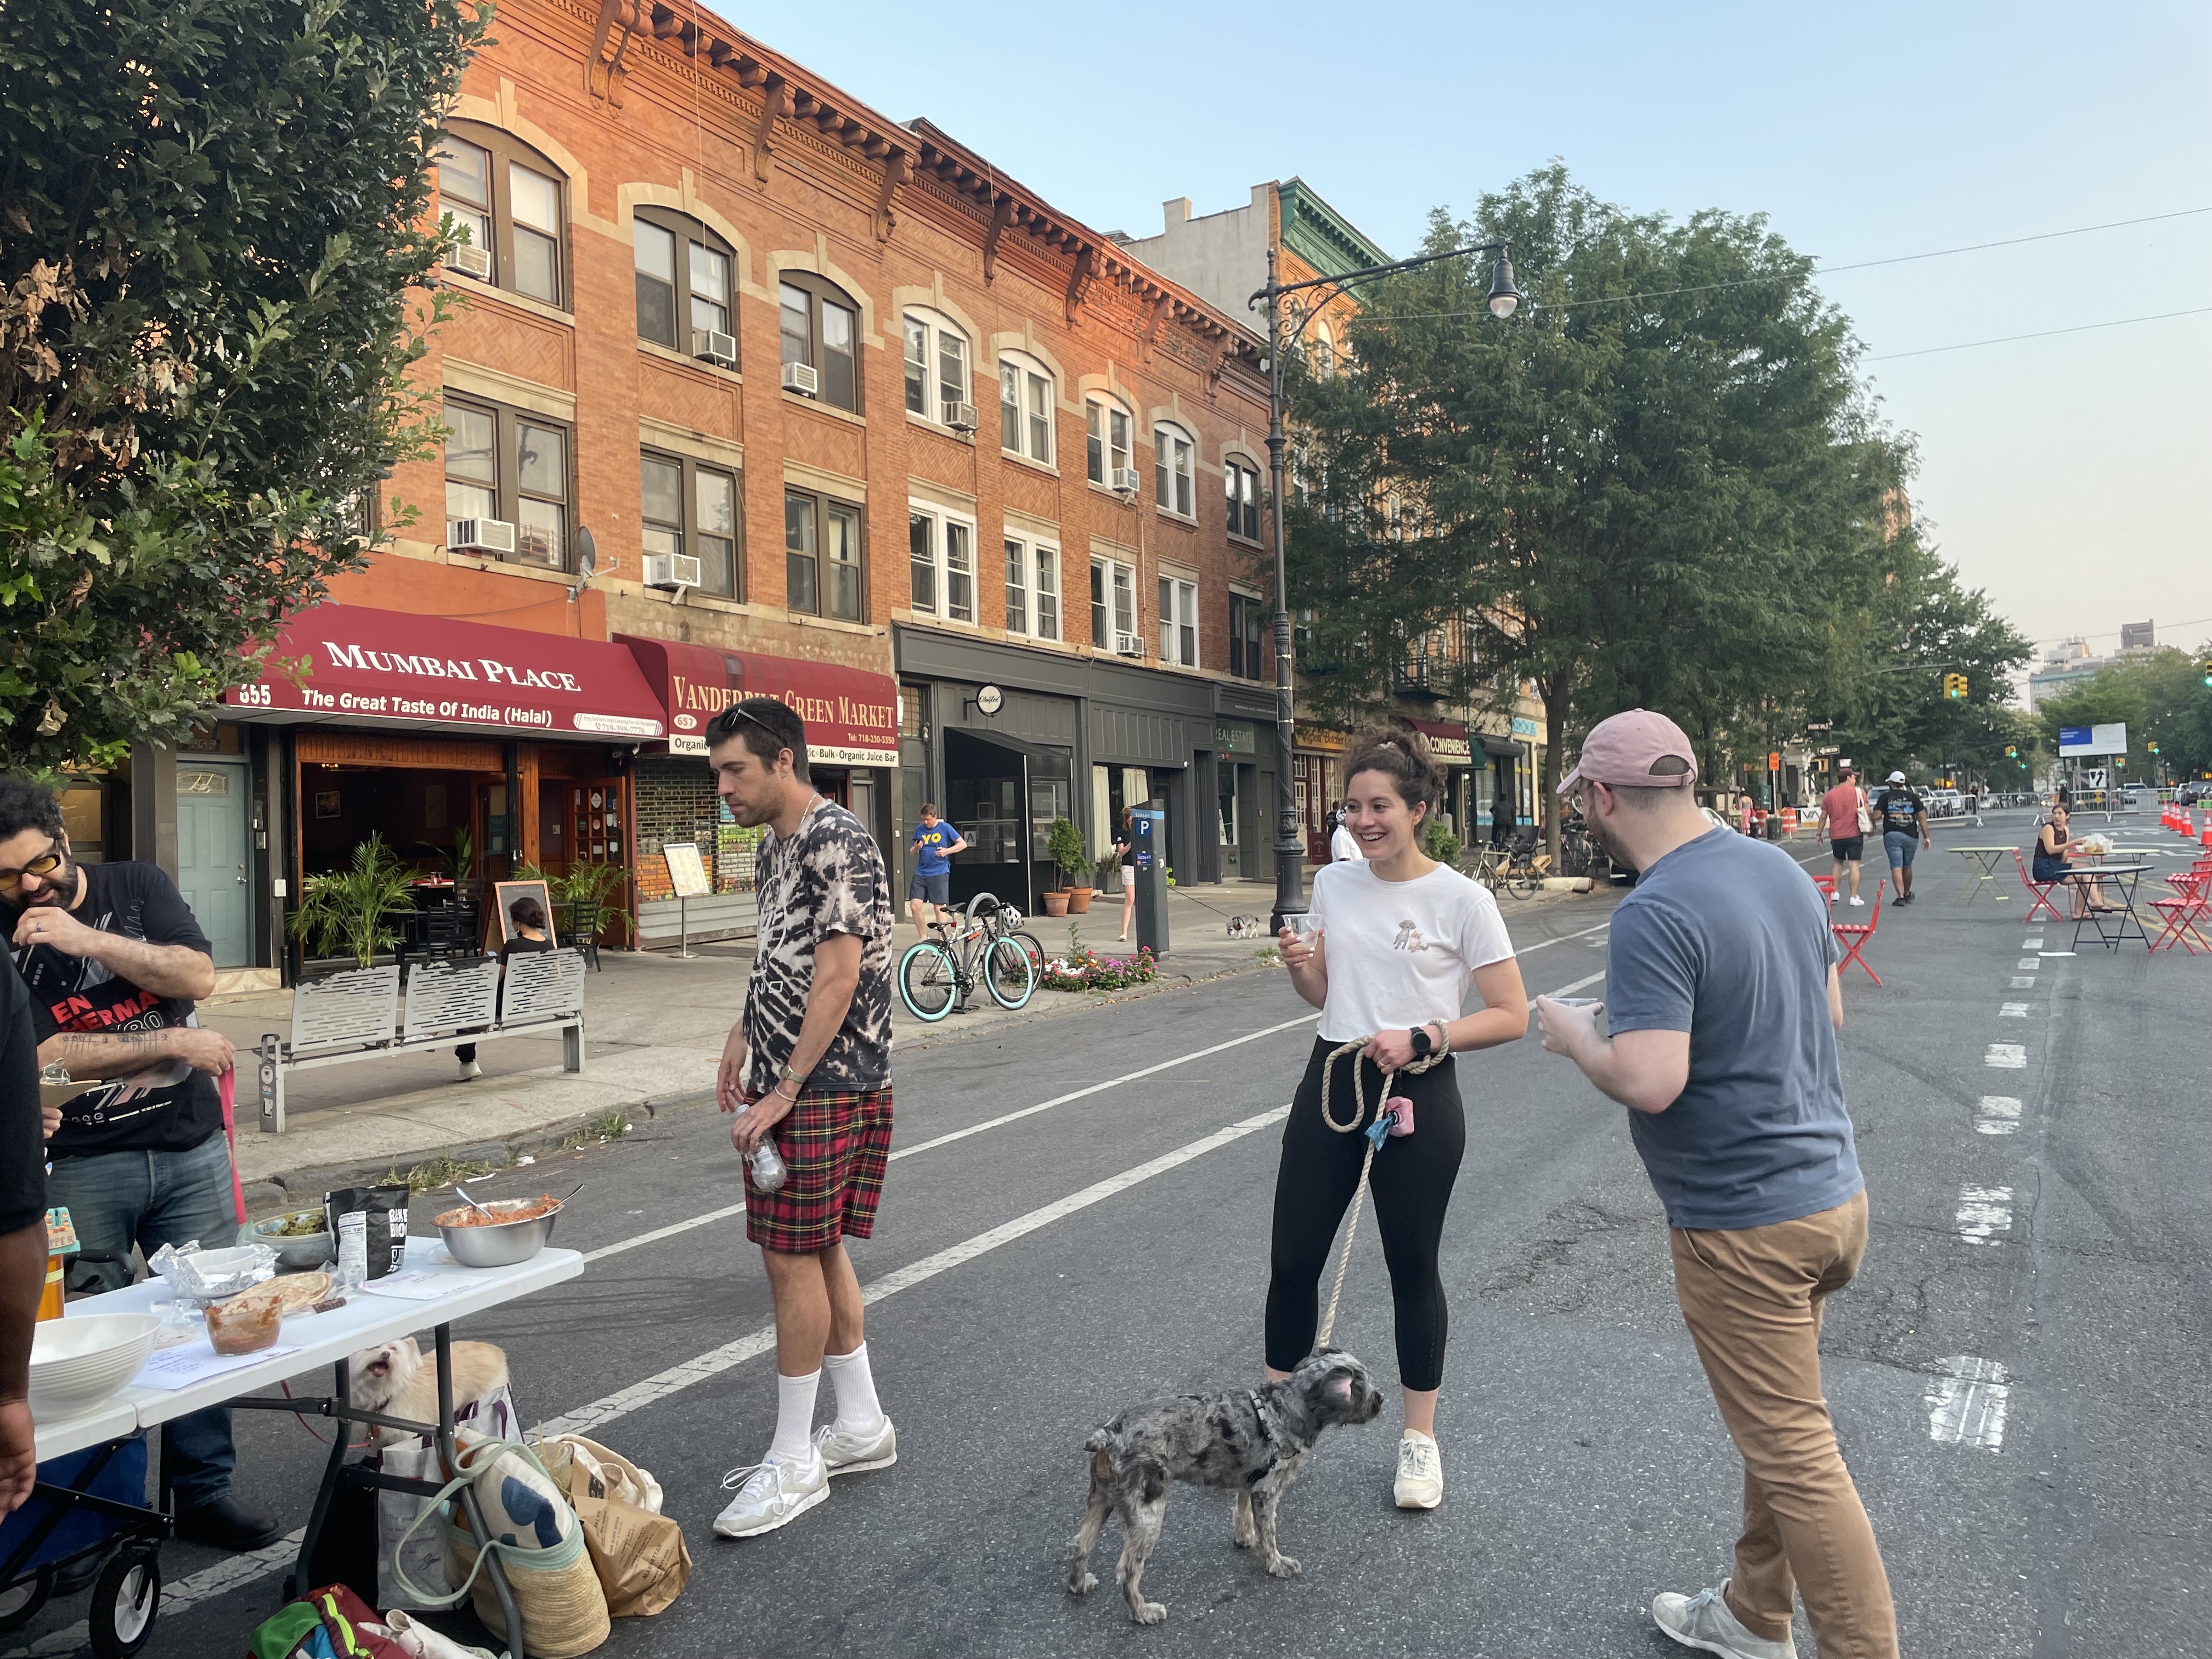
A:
x: 587, y: 563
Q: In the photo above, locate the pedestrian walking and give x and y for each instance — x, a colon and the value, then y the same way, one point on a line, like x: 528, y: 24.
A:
x: 1394, y: 940
x: 1904, y: 818
x: 1126, y: 873
x: 807, y: 1070
x: 114, y: 961
x: 1844, y: 821
x: 22, y: 1235
x: 1718, y: 1033
x: 932, y: 844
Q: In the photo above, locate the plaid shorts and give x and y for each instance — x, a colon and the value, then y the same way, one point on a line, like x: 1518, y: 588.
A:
x: 835, y: 1145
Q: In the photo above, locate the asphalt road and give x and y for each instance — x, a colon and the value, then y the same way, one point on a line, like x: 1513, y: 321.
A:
x: 1586, y: 1465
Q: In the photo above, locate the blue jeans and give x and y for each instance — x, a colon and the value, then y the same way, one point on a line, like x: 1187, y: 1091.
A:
x: 1903, y: 846
x: 151, y: 1199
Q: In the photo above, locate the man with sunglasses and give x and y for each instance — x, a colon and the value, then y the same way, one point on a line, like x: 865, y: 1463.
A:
x: 114, y: 960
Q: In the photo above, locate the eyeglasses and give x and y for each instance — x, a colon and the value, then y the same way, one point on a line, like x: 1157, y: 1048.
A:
x: 45, y: 865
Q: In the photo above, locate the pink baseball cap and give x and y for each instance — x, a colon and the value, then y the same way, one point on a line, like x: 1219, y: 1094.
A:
x: 1635, y: 749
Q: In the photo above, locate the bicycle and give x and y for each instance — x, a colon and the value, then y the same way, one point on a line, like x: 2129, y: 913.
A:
x: 1487, y: 862
x: 1007, y: 922
x: 935, y: 977
x: 1524, y: 868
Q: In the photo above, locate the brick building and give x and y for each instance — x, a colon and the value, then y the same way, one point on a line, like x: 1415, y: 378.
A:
x: 844, y: 415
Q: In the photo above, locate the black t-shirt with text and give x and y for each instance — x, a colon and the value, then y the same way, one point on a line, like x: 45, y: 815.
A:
x: 1900, y: 810
x: 168, y: 1107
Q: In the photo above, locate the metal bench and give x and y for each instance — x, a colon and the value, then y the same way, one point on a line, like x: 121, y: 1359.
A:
x: 359, y: 1015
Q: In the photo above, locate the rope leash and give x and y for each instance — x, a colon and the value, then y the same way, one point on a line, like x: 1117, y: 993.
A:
x: 1377, y: 1133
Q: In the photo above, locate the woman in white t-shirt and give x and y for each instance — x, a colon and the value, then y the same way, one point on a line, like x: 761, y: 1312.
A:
x: 1395, y: 939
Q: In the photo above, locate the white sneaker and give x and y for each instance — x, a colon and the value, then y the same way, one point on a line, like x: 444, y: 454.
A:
x: 769, y: 1494
x: 1420, y: 1482
x: 1857, y: 901
x: 469, y: 1069
x: 1704, y: 1621
x: 1831, y: 896
x: 849, y: 1451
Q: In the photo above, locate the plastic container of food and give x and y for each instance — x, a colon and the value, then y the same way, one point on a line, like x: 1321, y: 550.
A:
x: 243, y: 1324
x: 298, y: 1245
x: 476, y: 1242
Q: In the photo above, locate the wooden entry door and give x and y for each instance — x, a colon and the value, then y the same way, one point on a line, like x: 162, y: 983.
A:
x: 1310, y: 779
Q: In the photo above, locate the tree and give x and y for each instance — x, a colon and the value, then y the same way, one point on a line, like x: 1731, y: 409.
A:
x: 213, y: 215
x: 1658, y: 485
x: 2160, y: 696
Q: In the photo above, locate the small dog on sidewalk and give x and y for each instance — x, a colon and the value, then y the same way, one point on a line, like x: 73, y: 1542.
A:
x: 1252, y: 1442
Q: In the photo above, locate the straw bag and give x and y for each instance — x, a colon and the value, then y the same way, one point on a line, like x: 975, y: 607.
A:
x: 638, y: 1553
x: 539, y: 1540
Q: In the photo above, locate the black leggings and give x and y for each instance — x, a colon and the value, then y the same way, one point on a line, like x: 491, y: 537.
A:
x: 1412, y: 1184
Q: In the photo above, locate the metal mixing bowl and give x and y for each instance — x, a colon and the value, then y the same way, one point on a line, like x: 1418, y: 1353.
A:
x: 499, y: 1243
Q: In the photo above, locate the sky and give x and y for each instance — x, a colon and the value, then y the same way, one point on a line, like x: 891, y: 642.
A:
x: 2068, y: 477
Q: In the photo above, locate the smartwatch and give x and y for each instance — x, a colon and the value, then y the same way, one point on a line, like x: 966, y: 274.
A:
x: 1422, y: 1044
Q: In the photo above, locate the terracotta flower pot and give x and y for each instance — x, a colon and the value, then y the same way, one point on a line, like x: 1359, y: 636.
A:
x: 1078, y: 901
x: 1055, y: 904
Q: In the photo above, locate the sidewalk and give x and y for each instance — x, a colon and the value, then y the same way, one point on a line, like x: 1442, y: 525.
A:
x: 654, y: 1030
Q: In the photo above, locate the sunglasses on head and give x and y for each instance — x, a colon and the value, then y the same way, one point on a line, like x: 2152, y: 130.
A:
x: 45, y: 865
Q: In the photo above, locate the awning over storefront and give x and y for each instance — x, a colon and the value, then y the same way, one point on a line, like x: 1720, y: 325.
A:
x: 851, y: 715
x: 435, y: 672
x: 1447, y: 742
x: 1494, y: 744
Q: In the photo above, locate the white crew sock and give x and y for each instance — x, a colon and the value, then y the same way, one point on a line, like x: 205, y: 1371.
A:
x: 794, y: 1418
x: 857, y: 1407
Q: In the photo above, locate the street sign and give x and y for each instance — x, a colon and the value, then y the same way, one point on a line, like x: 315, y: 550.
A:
x: 2093, y: 777
x: 1774, y: 760
x: 1819, y: 725
x: 2094, y: 739
x: 1829, y: 749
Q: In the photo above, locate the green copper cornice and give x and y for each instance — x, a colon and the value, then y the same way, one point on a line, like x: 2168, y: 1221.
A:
x: 1320, y: 235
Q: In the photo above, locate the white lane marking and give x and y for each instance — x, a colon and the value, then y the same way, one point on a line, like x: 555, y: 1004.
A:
x: 1527, y: 950
x: 2007, y: 1056
x: 245, y: 1569
x: 659, y: 1233
x: 1983, y: 1212
x: 1580, y: 984
x: 2000, y: 1115
x: 2022, y: 983
x: 1966, y: 1407
x: 2035, y: 944
x: 2012, y: 1010
x: 2026, y: 964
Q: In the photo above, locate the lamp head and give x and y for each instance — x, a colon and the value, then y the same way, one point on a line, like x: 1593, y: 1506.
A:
x: 1504, y: 297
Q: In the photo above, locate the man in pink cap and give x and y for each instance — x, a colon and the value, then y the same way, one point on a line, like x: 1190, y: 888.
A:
x: 1718, y: 1033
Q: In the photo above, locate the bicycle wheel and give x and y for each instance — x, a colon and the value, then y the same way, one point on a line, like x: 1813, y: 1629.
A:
x: 1031, y: 949
x: 1007, y: 974
x: 928, y: 980
x: 1521, y: 882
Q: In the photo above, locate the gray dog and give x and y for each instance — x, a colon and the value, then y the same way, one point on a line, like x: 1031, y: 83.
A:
x: 1252, y: 1443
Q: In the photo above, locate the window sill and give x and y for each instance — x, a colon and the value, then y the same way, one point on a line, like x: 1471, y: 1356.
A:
x: 1252, y: 541
x: 668, y: 355
x: 474, y: 289
x: 954, y: 433
x: 1175, y: 518
x: 1020, y: 460
x: 536, y: 573
x: 820, y: 408
x: 695, y: 600
x: 1098, y: 488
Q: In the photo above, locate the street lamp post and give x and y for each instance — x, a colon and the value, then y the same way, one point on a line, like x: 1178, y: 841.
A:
x: 1504, y: 299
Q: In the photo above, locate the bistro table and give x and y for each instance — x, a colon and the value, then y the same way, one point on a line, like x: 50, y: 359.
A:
x: 438, y: 1289
x: 1983, y: 861
x: 2124, y: 878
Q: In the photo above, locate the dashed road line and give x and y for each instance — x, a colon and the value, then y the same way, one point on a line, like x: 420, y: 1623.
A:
x: 2035, y: 944
x: 1968, y: 1405
x: 2012, y: 1010
x: 2000, y: 1115
x: 2007, y: 1056
x: 2027, y: 964
x: 1984, y: 1212
x: 2022, y: 983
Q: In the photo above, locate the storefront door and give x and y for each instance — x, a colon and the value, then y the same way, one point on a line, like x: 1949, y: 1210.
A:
x: 1310, y: 779
x: 213, y: 856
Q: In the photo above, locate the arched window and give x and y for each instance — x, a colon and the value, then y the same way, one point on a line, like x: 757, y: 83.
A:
x: 821, y: 330
x: 1106, y: 428
x: 1026, y: 398
x: 1324, y: 350
x: 686, y: 291
x: 937, y: 370
x: 1174, y: 489
x: 508, y: 201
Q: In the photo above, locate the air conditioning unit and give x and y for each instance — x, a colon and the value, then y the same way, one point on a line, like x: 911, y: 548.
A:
x: 672, y: 570
x: 480, y: 536
x: 1123, y: 480
x: 802, y: 379
x: 469, y: 260
x: 961, y: 417
x: 1128, y: 645
x: 711, y: 345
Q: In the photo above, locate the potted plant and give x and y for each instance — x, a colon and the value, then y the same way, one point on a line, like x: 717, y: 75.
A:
x: 1063, y: 844
x: 349, y: 912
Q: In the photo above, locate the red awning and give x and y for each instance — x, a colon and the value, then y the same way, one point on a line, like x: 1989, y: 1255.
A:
x: 1447, y: 742
x: 436, y: 671
x: 851, y: 715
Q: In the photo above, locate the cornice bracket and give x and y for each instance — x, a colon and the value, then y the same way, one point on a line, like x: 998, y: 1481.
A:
x: 776, y: 101
x: 898, y: 168
x: 1080, y: 279
x: 603, y: 77
x: 1155, y: 314
x: 1002, y: 214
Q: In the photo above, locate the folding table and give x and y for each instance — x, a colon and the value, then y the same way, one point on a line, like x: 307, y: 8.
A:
x: 1983, y: 861
x: 2124, y: 878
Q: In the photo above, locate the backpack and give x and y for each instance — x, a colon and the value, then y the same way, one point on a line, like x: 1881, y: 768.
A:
x: 330, y: 1623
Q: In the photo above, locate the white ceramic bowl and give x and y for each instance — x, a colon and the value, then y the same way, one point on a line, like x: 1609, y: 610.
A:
x: 75, y: 1363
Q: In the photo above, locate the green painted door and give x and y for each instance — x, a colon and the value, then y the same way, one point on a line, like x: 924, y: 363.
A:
x: 213, y: 859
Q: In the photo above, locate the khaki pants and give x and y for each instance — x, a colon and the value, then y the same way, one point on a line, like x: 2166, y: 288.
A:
x: 1752, y: 1299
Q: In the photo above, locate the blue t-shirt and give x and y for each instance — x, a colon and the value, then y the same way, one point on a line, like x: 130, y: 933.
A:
x: 1725, y: 938
x: 930, y: 841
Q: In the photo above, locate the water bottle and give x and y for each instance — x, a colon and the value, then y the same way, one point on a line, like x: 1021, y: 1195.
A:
x: 766, y: 1166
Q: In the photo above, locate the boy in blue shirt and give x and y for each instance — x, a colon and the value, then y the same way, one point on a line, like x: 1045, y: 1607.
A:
x: 934, y: 843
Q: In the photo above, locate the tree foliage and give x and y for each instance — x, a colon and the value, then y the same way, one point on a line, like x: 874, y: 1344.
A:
x: 2163, y: 699
x: 212, y: 215
x: 1658, y: 484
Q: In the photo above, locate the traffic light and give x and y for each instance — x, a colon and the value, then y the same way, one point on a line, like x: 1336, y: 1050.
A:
x: 2205, y: 669
x: 2012, y: 751
x: 1955, y: 686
